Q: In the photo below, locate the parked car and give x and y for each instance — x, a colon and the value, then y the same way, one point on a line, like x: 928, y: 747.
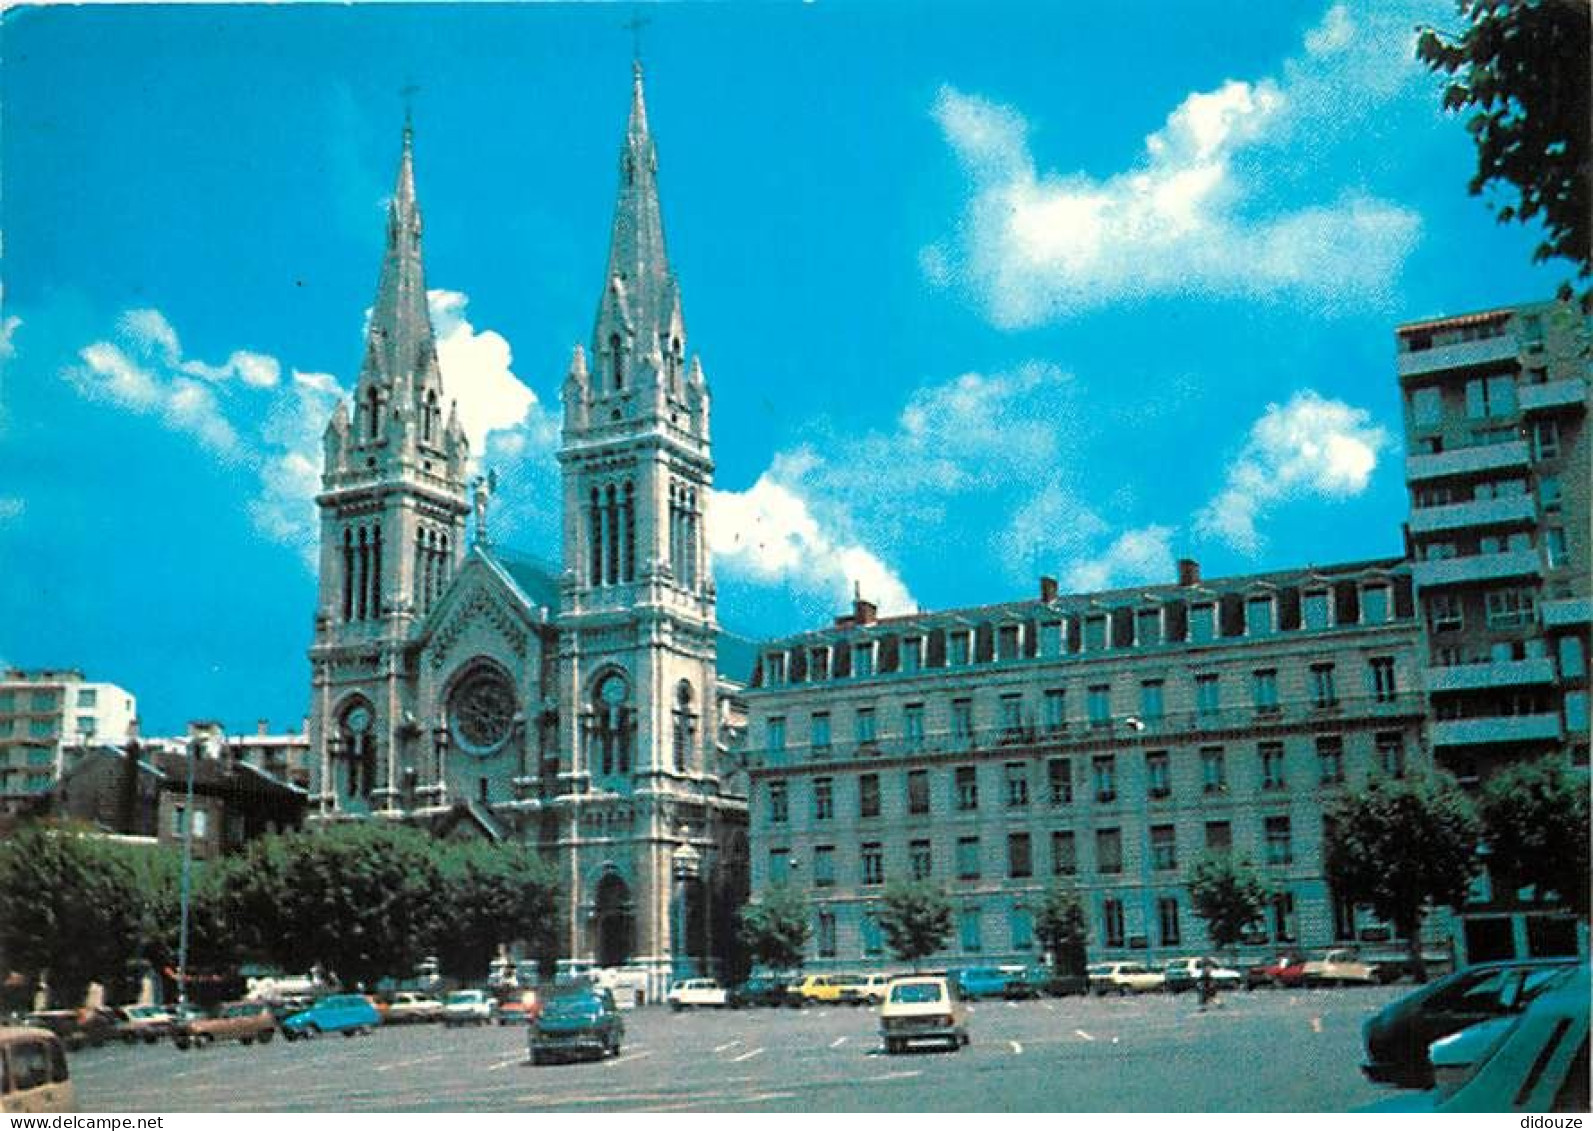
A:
x: 518, y: 1007
x: 697, y: 993
x: 1123, y: 978
x: 577, y: 1018
x: 349, y: 1014
x: 1339, y: 968
x: 34, y: 1075
x: 874, y: 987
x: 976, y: 982
x: 1187, y: 973
x: 243, y: 1021
x: 468, y: 1007
x: 408, y: 1007
x: 1538, y: 1063
x: 1398, y: 1036
x: 77, y: 1028
x: 828, y: 989
x: 1286, y: 971
x: 923, y: 1009
x: 761, y: 989
x: 1025, y: 983
x: 147, y: 1023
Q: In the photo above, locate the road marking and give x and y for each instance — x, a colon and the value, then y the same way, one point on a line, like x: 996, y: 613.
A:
x: 643, y: 1055
x: 1012, y: 1005
x: 1084, y: 1035
x: 1316, y: 1024
x: 505, y: 1063
x: 895, y: 1076
x: 408, y: 1063
x: 1016, y: 1047
x: 726, y: 1045
x: 1049, y: 1007
x: 746, y: 1056
x: 838, y: 1042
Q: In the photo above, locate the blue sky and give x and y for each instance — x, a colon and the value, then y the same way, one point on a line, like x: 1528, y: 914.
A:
x: 981, y: 291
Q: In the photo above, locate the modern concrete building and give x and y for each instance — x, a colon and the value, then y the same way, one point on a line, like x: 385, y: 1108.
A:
x: 1498, y: 467
x: 1109, y: 737
x: 46, y: 713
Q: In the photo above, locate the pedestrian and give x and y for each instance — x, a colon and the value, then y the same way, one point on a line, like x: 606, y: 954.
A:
x: 1208, y: 991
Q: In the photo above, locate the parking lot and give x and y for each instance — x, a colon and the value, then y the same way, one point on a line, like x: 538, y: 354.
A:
x: 1263, y: 1051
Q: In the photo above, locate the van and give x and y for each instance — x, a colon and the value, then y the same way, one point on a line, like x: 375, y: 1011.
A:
x: 33, y: 1072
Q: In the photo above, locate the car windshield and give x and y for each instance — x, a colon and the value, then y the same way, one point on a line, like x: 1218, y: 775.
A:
x: 464, y: 997
x: 240, y: 1010
x: 916, y: 993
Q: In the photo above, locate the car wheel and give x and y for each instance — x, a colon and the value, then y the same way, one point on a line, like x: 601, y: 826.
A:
x: 537, y: 1057
x: 265, y: 1037
x: 246, y: 1040
x: 1122, y: 991
x: 181, y: 1042
x: 893, y: 1045
x: 311, y: 1032
x: 354, y: 1032
x: 966, y: 1039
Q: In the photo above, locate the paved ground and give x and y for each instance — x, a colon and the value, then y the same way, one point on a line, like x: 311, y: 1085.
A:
x: 1265, y: 1051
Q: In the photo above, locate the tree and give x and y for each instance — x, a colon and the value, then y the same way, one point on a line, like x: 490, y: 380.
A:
x: 1522, y: 65
x: 1400, y: 846
x: 1228, y: 894
x: 774, y: 928
x: 915, y: 917
x: 491, y: 895
x: 1535, y: 821
x: 1060, y: 922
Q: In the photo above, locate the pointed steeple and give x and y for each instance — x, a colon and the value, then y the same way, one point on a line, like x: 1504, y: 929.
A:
x: 400, y: 352
x: 639, y: 312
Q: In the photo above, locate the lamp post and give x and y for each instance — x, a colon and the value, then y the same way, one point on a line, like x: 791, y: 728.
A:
x: 187, y: 873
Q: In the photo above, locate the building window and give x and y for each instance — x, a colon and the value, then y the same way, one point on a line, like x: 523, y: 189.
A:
x: 921, y: 858
x: 826, y: 934
x: 1064, y: 853
x: 1324, y: 693
x: 1112, y: 921
x: 1213, y: 770
x: 1020, y: 922
x: 1258, y: 616
x: 776, y: 668
x: 967, y: 788
x: 1445, y: 613
x: 779, y: 803
x: 1095, y: 634
x: 1098, y: 701
x: 873, y: 936
x: 774, y: 735
x: 1158, y: 778
x: 1391, y: 754
x: 1059, y: 780
x: 1280, y: 847
x: 868, y: 795
x: 1104, y: 769
x: 912, y: 653
x: 961, y: 723
x: 823, y: 799
x: 1202, y: 624
x: 968, y: 930
x: 1573, y: 658
x: 1384, y: 687
x: 1511, y: 608
x: 957, y: 649
x: 1151, y: 706
x: 821, y: 734
x: 1020, y: 864
x: 1272, y: 765
x: 1374, y: 604
x: 1108, y: 851
x: 1017, y: 785
x: 1491, y: 396
x: 1164, y: 848
x: 1546, y: 440
x: 918, y: 792
x: 1330, y: 759
x: 1208, y: 697
x: 1167, y: 919
x: 862, y: 660
x: 1264, y: 690
x: 1314, y: 610
x: 864, y: 726
x: 779, y: 865
x: 1011, y: 717
x: 819, y: 665
x: 823, y: 866
x: 1550, y: 495
x: 967, y: 858
x: 1283, y: 920
x: 1007, y: 642
x: 1219, y: 836
x: 913, y: 727
x: 1148, y: 628
x: 1055, y: 710
x: 1554, y: 547
x: 87, y: 697
x: 873, y: 860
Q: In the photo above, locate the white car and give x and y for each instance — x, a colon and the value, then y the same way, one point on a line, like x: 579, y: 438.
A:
x: 697, y: 993
x: 1188, y: 973
x: 875, y: 986
x: 1124, y: 978
x: 469, y: 1007
x: 1340, y: 968
x: 408, y: 1007
x: 922, y: 1009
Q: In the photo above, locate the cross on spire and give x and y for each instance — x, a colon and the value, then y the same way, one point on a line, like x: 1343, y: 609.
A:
x: 408, y: 92
x: 635, y: 25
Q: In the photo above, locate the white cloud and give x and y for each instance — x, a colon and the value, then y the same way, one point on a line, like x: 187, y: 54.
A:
x: 1310, y: 446
x: 1137, y: 556
x: 9, y: 325
x: 476, y: 372
x: 12, y: 507
x: 1194, y: 214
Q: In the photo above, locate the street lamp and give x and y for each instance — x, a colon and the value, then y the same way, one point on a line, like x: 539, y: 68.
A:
x: 187, y: 874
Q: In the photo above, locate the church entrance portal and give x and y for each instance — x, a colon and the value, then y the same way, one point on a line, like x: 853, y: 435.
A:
x: 616, y: 922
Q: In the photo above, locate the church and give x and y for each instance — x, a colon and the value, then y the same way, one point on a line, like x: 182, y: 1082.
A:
x: 474, y: 691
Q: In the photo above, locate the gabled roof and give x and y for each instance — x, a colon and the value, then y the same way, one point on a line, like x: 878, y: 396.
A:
x: 536, y: 580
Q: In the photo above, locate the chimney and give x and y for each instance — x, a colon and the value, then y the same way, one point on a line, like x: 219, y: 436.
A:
x: 863, y: 612
x: 1047, y: 589
x: 1188, y: 572
x: 262, y: 727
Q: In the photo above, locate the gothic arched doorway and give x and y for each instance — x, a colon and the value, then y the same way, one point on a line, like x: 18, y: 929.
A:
x: 615, y: 921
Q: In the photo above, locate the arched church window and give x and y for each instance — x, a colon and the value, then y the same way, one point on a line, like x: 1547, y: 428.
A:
x: 373, y: 408
x: 611, y: 724
x: 348, y: 575
x: 618, y: 355
x: 595, y: 541
x: 357, y: 735
x: 429, y: 424
x: 611, y: 522
x: 628, y: 530
x: 685, y: 725
x: 481, y: 711
x: 362, y: 587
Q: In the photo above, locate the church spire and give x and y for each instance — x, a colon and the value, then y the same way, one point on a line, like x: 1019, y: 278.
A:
x: 400, y: 352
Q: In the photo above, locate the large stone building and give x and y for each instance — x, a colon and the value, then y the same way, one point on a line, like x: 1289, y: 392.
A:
x: 1496, y: 406
x: 46, y: 714
x: 580, y: 707
x: 1109, y: 738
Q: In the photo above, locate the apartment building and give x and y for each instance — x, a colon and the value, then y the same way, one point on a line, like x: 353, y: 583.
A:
x: 1498, y: 465
x: 1110, y: 738
x: 43, y: 714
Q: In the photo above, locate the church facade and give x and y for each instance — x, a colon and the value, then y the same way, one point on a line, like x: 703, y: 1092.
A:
x: 469, y: 689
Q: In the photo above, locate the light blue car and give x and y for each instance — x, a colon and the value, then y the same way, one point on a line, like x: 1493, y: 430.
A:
x: 349, y: 1014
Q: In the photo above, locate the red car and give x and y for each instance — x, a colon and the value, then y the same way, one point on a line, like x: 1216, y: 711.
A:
x: 1286, y: 971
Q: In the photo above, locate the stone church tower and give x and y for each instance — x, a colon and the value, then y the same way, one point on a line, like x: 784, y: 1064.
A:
x: 476, y: 691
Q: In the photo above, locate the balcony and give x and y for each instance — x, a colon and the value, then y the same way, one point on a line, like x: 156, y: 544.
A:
x: 1460, y: 355
x: 1519, y: 510
x: 1496, y: 729
x: 1567, y: 613
x: 1466, y: 461
x: 1570, y: 393
x: 1478, y: 567
x: 1500, y: 673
